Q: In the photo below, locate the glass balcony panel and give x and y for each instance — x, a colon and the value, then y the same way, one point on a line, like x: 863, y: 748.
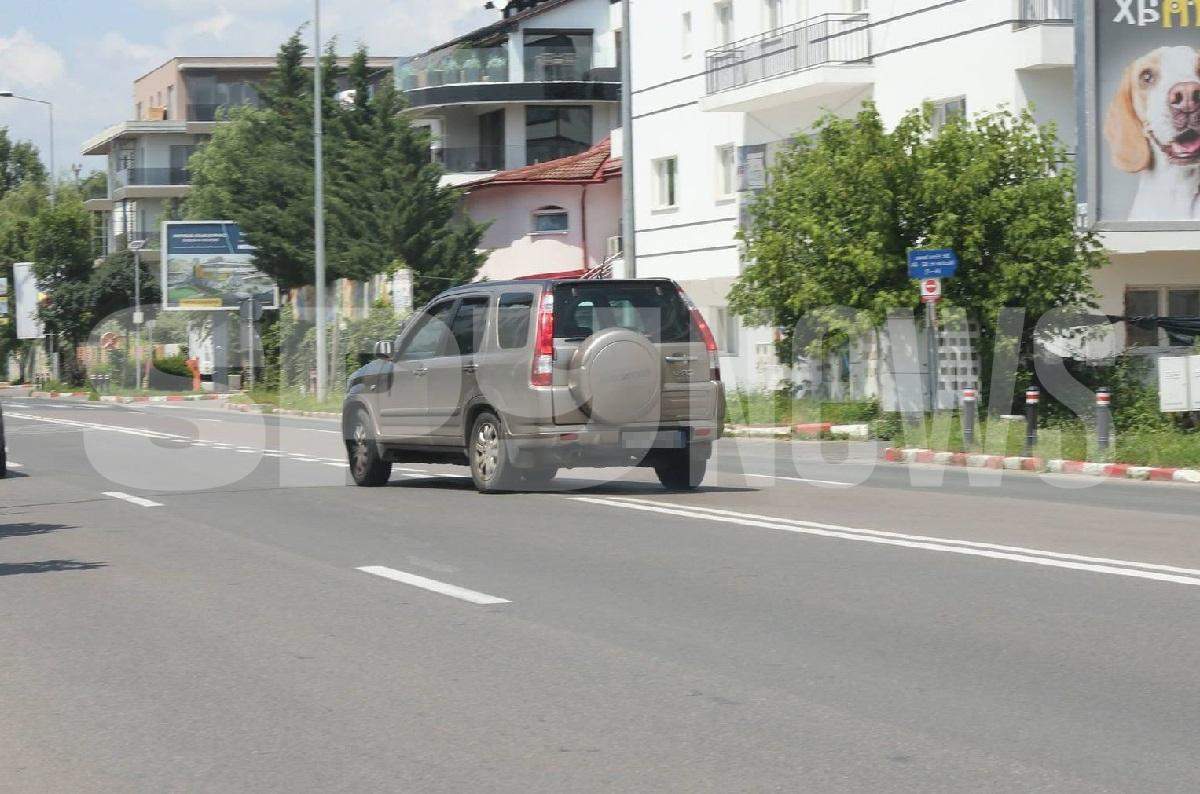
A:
x: 457, y: 65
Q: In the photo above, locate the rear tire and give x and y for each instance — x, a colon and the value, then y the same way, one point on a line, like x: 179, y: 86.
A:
x: 367, y: 466
x: 491, y: 470
x: 681, y: 471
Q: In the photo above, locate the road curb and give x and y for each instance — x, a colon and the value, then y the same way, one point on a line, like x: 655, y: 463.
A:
x: 1117, y: 471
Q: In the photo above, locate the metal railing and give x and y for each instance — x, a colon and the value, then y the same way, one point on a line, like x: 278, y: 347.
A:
x: 1042, y: 12
x: 819, y: 41
x: 472, y: 159
x: 152, y: 176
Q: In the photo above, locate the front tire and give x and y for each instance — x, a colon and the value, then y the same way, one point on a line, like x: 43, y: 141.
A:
x: 367, y: 466
x: 681, y: 471
x: 491, y: 469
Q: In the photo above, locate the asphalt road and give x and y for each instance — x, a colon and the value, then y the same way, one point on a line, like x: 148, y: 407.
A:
x: 184, y: 607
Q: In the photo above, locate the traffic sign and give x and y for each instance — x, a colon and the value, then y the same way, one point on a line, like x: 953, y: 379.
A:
x: 932, y: 263
x: 931, y: 290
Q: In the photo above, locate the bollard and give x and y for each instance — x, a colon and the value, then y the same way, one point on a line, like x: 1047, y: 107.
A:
x: 970, y: 411
x: 1103, y: 418
x: 1033, y: 396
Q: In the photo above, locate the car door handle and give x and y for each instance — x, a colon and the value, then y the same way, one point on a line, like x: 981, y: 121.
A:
x: 470, y: 367
x: 679, y: 359
x: 422, y: 372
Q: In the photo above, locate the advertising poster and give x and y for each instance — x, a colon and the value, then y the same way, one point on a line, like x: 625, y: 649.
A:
x: 206, y: 265
x: 26, y: 295
x: 1143, y: 77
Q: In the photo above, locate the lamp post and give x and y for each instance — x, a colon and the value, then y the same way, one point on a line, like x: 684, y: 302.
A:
x: 138, y: 317
x: 49, y: 107
x: 319, y: 208
x: 628, y: 231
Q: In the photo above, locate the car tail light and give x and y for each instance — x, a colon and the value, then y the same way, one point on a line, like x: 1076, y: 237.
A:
x: 543, y: 346
x: 710, y: 341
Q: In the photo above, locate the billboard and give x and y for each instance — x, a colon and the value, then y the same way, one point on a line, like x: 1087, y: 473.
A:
x: 1139, y: 113
x: 206, y: 265
x: 27, y: 296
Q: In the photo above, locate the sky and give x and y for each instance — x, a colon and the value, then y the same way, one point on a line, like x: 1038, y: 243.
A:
x: 83, y: 55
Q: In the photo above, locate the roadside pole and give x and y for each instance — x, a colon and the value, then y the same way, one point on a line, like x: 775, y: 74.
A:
x: 138, y: 317
x: 628, y: 228
x: 929, y: 267
x: 1103, y: 418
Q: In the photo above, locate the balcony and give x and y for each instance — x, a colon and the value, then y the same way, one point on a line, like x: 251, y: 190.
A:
x: 130, y: 177
x: 819, y: 57
x: 491, y: 158
x: 1044, y: 34
x: 1044, y: 12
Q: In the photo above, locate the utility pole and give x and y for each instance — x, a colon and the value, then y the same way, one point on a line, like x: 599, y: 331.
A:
x: 319, y: 209
x: 628, y: 228
x: 136, y: 246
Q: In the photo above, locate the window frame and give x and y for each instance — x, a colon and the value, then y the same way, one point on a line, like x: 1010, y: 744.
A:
x: 549, y: 211
x: 427, y: 315
x: 941, y: 116
x: 479, y: 339
x: 772, y: 14
x: 506, y: 299
x: 1162, y: 293
x: 660, y: 201
x: 723, y: 34
x: 686, y: 34
x: 726, y: 172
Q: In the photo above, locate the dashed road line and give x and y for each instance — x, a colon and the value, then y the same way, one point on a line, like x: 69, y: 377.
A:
x: 137, y: 500
x: 433, y: 585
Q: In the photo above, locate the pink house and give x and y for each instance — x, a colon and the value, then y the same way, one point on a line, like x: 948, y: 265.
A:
x: 560, y: 217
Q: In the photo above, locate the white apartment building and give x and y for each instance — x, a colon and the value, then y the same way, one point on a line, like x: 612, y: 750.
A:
x: 721, y: 85
x: 539, y: 84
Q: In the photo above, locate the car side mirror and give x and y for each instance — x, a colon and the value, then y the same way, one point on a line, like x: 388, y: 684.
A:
x: 383, y: 349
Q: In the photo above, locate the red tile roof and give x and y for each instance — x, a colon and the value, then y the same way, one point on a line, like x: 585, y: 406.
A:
x: 594, y: 165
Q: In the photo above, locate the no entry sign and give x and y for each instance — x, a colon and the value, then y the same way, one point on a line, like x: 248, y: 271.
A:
x: 931, y: 290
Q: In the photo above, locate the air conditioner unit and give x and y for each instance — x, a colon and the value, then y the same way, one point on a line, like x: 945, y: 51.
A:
x: 614, y: 247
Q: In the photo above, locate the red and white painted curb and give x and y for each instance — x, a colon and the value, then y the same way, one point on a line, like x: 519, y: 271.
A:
x: 1119, y: 471
x: 125, y: 400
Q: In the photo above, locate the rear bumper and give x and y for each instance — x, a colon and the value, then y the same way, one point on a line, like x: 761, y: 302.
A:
x: 568, y: 446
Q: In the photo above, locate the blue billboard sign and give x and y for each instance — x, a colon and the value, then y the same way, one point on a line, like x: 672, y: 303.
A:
x: 932, y: 263
x: 207, y: 265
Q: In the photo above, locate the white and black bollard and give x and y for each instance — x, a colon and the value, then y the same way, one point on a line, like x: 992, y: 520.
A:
x: 970, y: 412
x: 1033, y: 396
x: 1103, y: 417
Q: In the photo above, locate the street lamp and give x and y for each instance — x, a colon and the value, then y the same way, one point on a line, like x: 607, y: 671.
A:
x: 50, y: 107
x: 138, y: 317
x: 319, y: 208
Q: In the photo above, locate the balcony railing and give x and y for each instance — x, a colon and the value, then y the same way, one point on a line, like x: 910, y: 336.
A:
x: 152, y: 176
x: 1045, y: 12
x: 473, y: 159
x: 820, y: 41
x: 455, y: 65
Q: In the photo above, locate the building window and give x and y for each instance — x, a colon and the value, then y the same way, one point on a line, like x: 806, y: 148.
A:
x: 725, y: 328
x: 723, y: 15
x: 666, y: 183
x: 554, y: 131
x: 137, y: 111
x: 686, y: 34
x: 551, y: 220
x: 1158, y: 302
x: 946, y: 110
x: 726, y: 171
x: 552, y: 55
x: 773, y: 13
x: 858, y: 6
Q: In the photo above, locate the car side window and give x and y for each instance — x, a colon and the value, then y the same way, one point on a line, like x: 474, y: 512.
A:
x: 469, y: 323
x: 431, y: 335
x: 513, y: 319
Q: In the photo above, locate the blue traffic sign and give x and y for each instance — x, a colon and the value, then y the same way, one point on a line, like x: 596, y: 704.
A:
x: 932, y: 263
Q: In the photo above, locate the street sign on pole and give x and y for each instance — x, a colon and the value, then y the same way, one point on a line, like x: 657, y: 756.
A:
x: 931, y: 290
x: 932, y: 263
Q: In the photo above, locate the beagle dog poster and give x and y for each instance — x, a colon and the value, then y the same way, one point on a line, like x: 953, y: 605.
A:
x: 1147, y: 75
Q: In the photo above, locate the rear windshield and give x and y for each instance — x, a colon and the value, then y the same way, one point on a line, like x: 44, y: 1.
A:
x: 653, y: 309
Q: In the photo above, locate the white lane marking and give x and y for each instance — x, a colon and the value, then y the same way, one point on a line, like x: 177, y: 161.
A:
x: 319, y: 430
x: 12, y: 464
x: 800, y: 479
x: 1130, y: 568
x: 433, y: 585
x: 339, y: 463
x: 137, y: 500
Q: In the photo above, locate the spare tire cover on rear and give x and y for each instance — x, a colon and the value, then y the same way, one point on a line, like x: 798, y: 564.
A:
x: 616, y: 376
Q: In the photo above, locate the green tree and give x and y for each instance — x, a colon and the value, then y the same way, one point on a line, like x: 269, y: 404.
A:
x: 384, y: 203
x: 112, y: 286
x: 845, y: 205
x: 62, y: 261
x: 19, y: 163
